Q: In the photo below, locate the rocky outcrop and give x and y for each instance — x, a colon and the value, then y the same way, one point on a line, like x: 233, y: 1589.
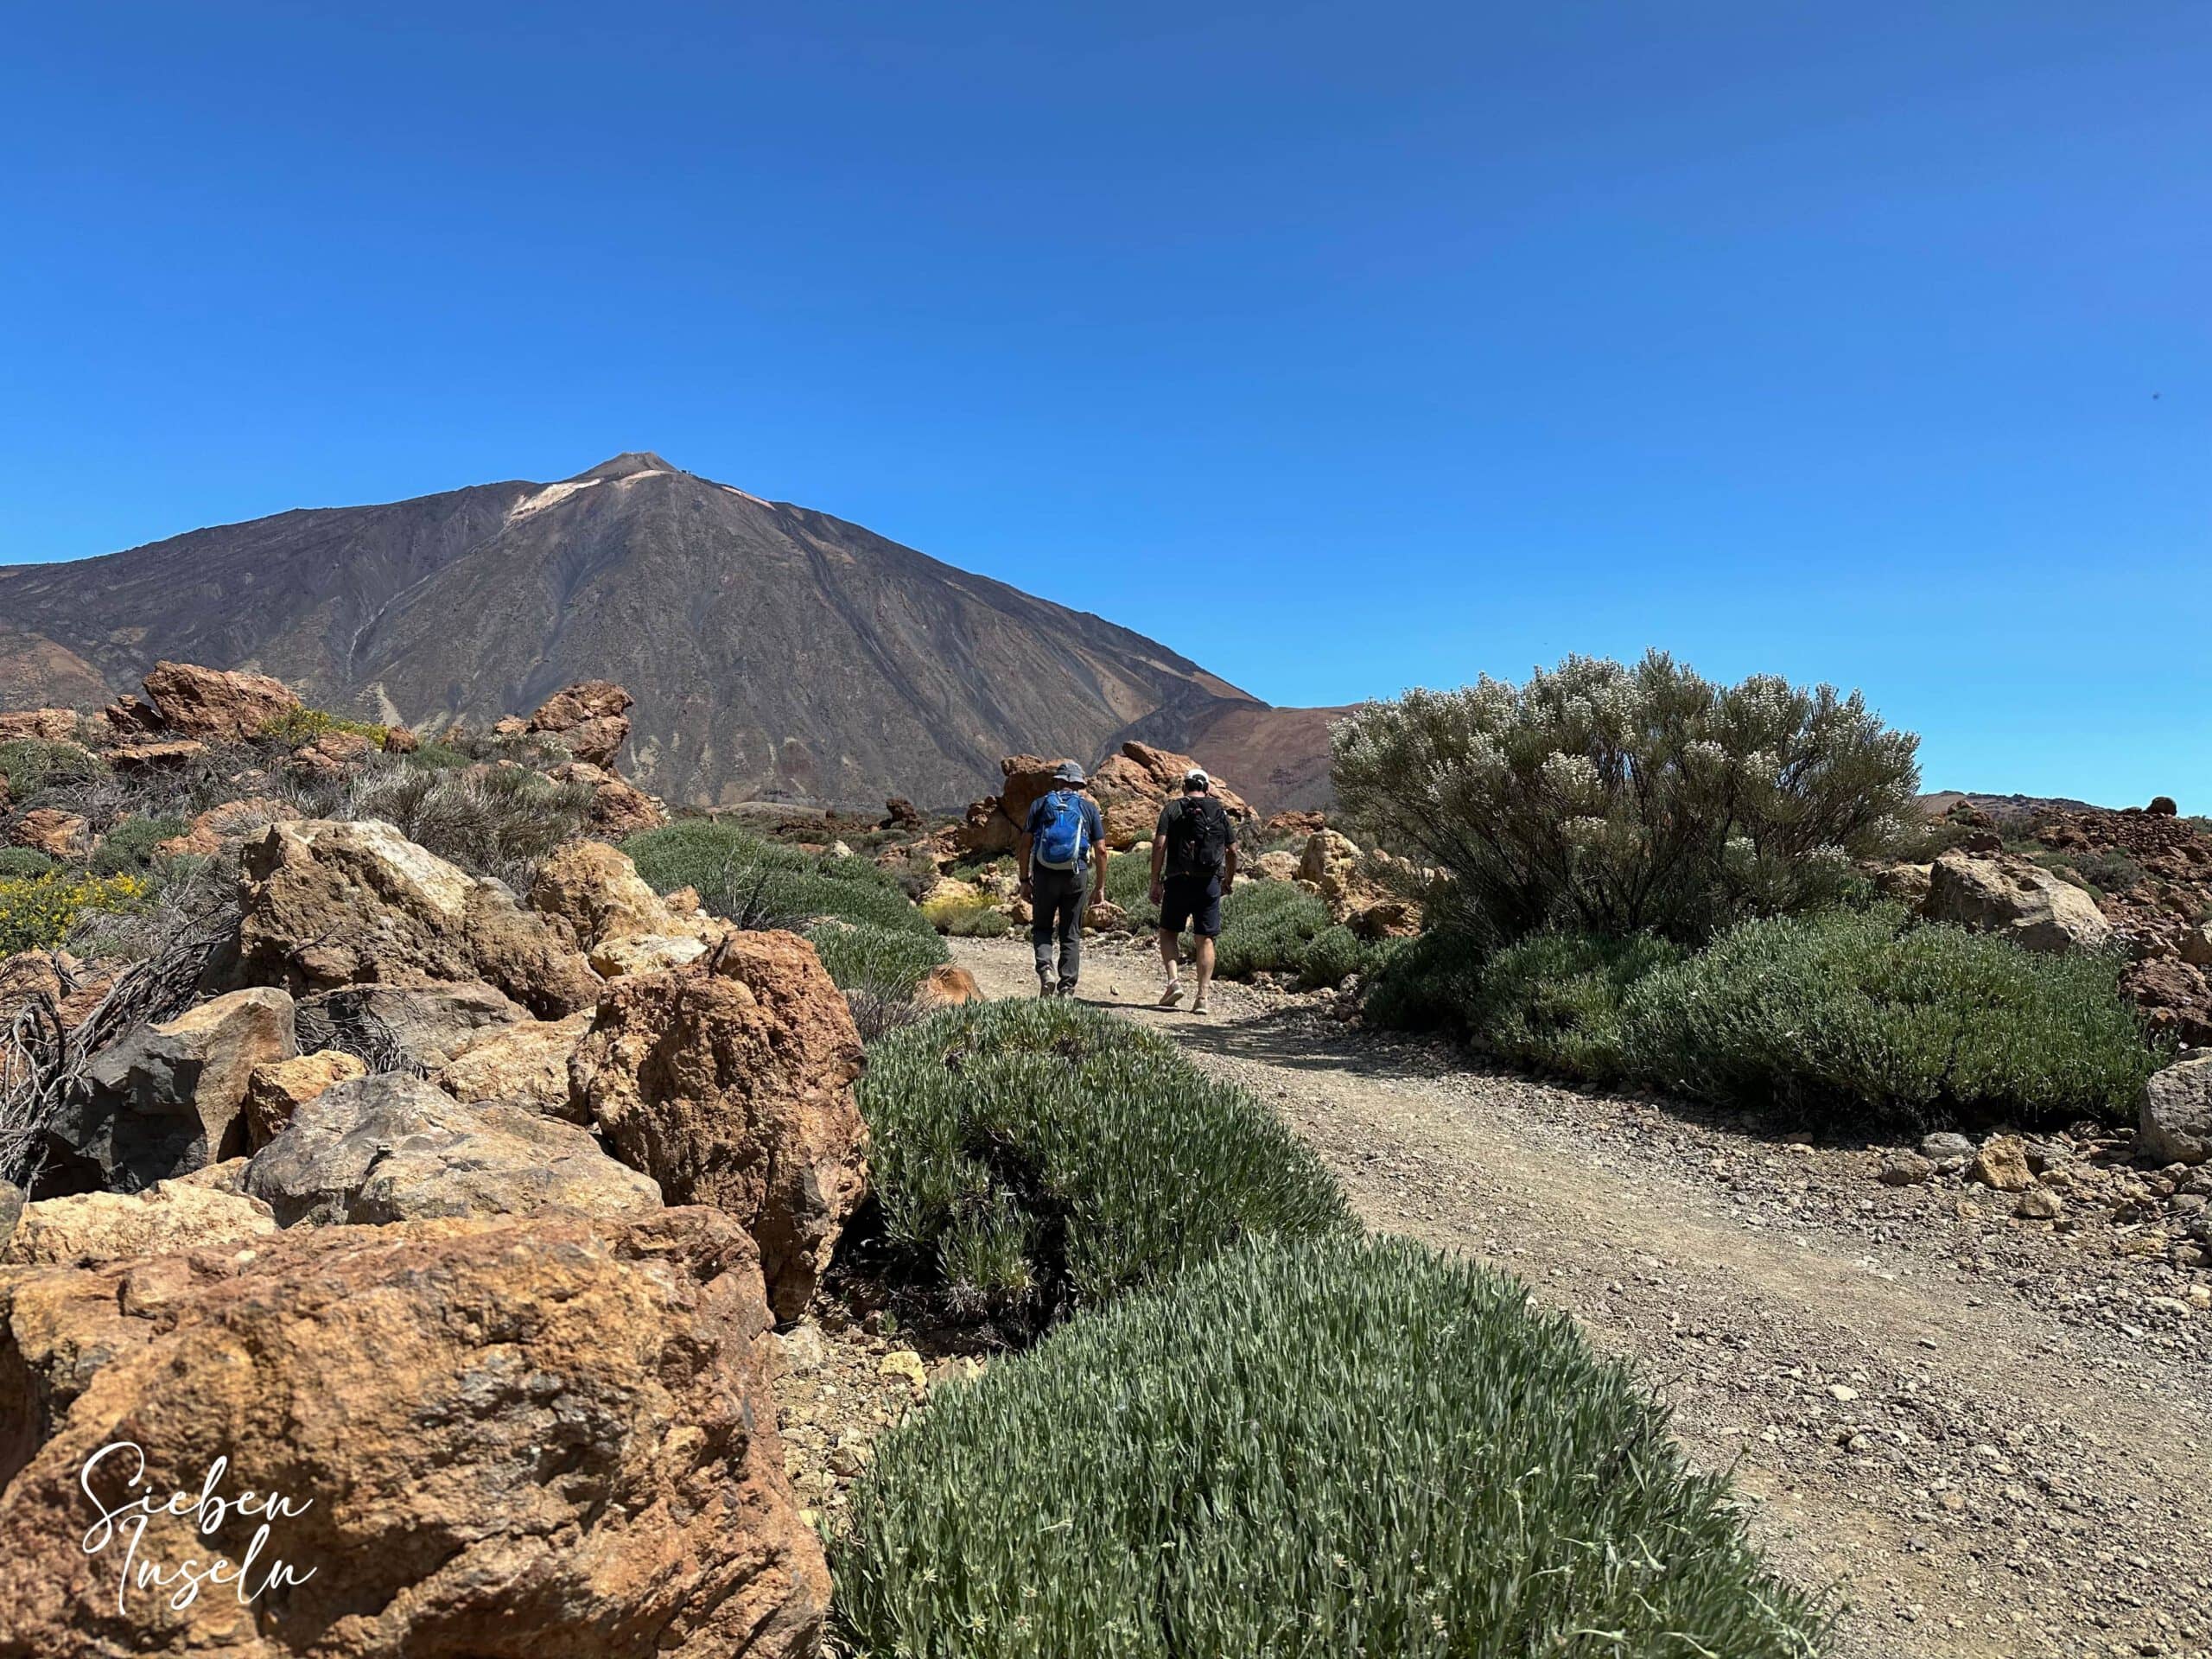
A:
x: 276, y: 1091
x: 2024, y: 901
x: 330, y: 903
x: 591, y: 718
x: 167, y: 1218
x: 2175, y: 1123
x: 730, y: 1083
x: 619, y: 808
x: 392, y: 1148
x: 522, y: 1064
x: 622, y: 925
x: 228, y: 825
x: 218, y: 705
x: 406, y: 1027
x: 947, y: 986
x: 1133, y: 783
x: 1350, y: 883
x: 994, y: 824
x: 50, y: 830
x: 499, y: 1438
x: 166, y: 1098
x: 41, y: 725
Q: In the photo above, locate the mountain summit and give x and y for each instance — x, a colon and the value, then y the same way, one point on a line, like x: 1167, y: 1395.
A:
x: 775, y: 652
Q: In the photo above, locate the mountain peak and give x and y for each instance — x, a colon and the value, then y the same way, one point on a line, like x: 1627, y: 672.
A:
x: 628, y: 464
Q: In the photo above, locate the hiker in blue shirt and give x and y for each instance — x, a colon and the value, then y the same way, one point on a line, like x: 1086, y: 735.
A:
x: 1057, y: 878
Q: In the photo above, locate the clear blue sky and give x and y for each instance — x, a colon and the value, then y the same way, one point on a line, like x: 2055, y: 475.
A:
x: 1343, y: 347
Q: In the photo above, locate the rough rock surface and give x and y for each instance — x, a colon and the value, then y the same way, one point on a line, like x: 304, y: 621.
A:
x: 522, y: 1064
x: 166, y: 1098
x: 591, y: 717
x: 615, y: 917
x: 730, y: 1082
x: 2022, y: 900
x: 392, y: 1148
x: 165, y: 1218
x: 1132, y: 783
x: 50, y: 830
x: 2175, y: 1122
x: 619, y: 808
x: 217, y: 704
x: 227, y: 825
x: 44, y: 725
x: 410, y: 1026
x: 277, y: 1090
x: 332, y: 903
x: 511, y: 1439
x: 12, y: 1199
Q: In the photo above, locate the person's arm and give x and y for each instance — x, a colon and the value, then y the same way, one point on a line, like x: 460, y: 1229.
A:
x: 1021, y: 859
x: 1229, y: 864
x: 1098, y: 840
x: 1158, y: 855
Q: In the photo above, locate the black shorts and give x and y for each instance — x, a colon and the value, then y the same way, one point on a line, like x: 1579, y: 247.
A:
x: 1191, y: 901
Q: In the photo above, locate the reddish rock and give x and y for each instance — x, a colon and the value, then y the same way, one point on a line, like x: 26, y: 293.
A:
x: 400, y: 739
x: 590, y: 717
x: 730, y: 1083
x: 227, y: 825
x: 276, y: 1090
x: 218, y: 705
x: 44, y: 725
x: 549, y: 1436
x: 50, y: 830
x: 619, y: 808
x: 163, y: 755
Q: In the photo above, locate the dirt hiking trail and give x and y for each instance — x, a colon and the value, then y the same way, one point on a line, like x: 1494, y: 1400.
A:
x: 1980, y: 1476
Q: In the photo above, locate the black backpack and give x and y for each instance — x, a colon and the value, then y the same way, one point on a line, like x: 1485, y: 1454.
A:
x: 1198, y: 836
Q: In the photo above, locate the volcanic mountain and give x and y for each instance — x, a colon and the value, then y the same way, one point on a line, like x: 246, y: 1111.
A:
x: 776, y: 652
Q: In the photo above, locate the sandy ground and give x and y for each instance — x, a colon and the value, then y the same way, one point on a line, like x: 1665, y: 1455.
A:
x: 1978, y: 1475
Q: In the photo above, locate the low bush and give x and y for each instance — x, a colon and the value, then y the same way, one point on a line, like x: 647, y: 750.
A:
x: 1332, y: 956
x: 33, y: 765
x: 966, y: 915
x: 1317, y: 1449
x: 20, y: 862
x: 299, y: 726
x: 1431, y: 983
x: 129, y: 845
x: 1553, y: 1001
x: 39, y: 910
x: 1856, y: 1019
x: 1266, y: 927
x: 1128, y: 884
x: 883, y: 962
x: 1030, y: 1156
x: 500, y: 821
x: 760, y: 883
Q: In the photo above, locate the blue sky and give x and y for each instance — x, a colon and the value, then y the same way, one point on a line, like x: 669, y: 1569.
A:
x: 1341, y: 348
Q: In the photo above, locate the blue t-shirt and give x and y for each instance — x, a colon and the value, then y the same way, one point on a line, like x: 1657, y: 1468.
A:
x: 1094, y: 824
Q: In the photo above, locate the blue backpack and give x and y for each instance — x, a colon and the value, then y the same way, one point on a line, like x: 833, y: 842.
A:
x: 1062, y: 838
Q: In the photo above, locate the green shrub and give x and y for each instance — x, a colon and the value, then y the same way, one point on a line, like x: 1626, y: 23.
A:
x: 885, y: 962
x: 1858, y: 1022
x: 962, y: 915
x: 1332, y: 956
x: 1266, y: 927
x: 21, y: 862
x: 1032, y: 1155
x: 1607, y: 799
x: 129, y: 845
x: 989, y: 922
x: 38, y: 911
x: 32, y: 765
x: 496, y: 820
x: 1552, y: 1002
x: 760, y: 883
x: 2110, y: 871
x: 298, y: 726
x: 1128, y: 884
x: 1317, y: 1449
x: 1430, y: 983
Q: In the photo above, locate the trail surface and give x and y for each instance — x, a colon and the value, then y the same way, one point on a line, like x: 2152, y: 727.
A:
x: 1980, y: 1477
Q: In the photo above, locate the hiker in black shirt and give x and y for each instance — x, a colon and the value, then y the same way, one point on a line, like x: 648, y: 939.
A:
x: 1193, y: 867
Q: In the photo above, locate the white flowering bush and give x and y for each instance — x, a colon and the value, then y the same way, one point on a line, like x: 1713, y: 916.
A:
x: 1615, y: 800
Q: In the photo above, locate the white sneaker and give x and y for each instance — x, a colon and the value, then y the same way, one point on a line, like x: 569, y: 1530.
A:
x: 1172, y: 995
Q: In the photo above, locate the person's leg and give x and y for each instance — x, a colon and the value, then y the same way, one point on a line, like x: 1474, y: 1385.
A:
x: 1202, y: 954
x: 1071, y: 925
x: 1171, y: 917
x: 1205, y: 923
x: 1040, y: 927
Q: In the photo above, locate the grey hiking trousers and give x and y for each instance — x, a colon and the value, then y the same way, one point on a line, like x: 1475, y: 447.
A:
x: 1057, y: 901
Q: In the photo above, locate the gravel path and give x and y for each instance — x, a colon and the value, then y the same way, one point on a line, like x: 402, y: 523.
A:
x: 1980, y: 1474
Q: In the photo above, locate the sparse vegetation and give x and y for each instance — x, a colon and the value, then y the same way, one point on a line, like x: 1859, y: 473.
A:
x: 304, y: 725
x: 1603, y: 798
x: 32, y: 765
x: 886, y: 963
x: 499, y: 821
x: 1321, y: 1447
x: 1032, y: 1157
x: 1856, y: 1020
x: 129, y: 845
x: 38, y: 911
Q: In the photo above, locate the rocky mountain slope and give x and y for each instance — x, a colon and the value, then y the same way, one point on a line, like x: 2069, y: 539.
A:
x: 775, y: 652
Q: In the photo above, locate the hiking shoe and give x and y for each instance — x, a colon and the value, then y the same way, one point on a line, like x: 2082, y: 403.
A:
x: 1046, y: 988
x: 1200, y: 1008
x: 1173, y: 994
x: 1067, y: 988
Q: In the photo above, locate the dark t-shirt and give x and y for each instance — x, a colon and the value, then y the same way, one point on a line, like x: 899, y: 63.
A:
x: 1094, y: 824
x: 1169, y: 816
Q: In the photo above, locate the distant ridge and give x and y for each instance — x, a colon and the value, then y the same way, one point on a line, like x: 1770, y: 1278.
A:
x: 776, y: 652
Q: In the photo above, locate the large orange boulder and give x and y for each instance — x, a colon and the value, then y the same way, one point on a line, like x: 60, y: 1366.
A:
x: 730, y: 1083
x: 331, y: 903
x: 216, y: 704
x: 1133, y: 783
x: 591, y: 718
x: 994, y: 824
x: 492, y: 1439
